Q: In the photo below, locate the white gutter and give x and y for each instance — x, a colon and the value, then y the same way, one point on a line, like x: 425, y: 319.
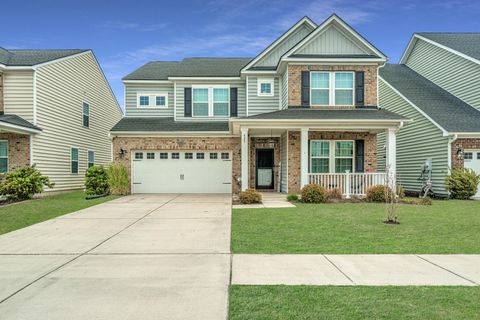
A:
x: 19, y: 129
x: 168, y: 133
x: 146, y: 81
x: 204, y: 78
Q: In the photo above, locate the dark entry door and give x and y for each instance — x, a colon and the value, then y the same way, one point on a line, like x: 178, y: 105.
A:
x: 264, y: 169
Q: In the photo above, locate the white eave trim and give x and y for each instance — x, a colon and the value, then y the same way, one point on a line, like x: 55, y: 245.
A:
x: 204, y: 78
x: 169, y: 133
x: 465, y: 134
x: 413, y: 41
x: 146, y: 81
x: 62, y: 59
x: 335, y: 60
x: 445, y: 133
x: 19, y: 129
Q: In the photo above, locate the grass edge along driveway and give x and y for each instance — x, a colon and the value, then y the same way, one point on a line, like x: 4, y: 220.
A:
x: 24, y: 214
x: 446, y: 227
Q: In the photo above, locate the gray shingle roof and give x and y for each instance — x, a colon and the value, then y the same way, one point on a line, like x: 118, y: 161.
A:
x: 166, y: 124
x: 317, y: 114
x: 448, y: 111
x: 17, y: 121
x: 190, y: 67
x: 22, y: 57
x: 465, y: 42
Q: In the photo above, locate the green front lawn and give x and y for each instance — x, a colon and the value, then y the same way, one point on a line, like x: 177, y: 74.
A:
x: 327, y: 302
x: 21, y: 215
x: 445, y: 227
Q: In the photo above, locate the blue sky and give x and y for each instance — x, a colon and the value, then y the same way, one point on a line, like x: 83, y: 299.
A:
x: 126, y: 34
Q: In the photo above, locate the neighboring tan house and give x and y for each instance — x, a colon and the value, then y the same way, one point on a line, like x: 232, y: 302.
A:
x: 56, y: 110
x: 303, y: 111
x: 437, y: 85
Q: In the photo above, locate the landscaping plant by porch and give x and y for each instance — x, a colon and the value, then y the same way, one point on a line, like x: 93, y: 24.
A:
x: 462, y: 183
x: 96, y: 181
x: 23, y: 183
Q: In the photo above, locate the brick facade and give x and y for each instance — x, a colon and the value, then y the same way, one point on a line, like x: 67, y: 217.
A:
x: 295, y: 82
x: 264, y: 143
x: 464, y: 144
x: 129, y: 144
x: 18, y: 150
x: 370, y: 153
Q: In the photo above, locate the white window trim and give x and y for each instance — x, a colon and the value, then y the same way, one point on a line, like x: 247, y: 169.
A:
x: 328, y: 157
x: 3, y: 140
x: 210, y: 99
x: 331, y: 88
x: 152, y: 100
x: 78, y: 160
x: 331, y: 156
x: 83, y: 114
x: 88, y: 162
x: 261, y: 81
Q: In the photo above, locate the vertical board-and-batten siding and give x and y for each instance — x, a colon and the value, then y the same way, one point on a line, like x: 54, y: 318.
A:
x: 272, y: 58
x: 331, y: 41
x: 18, y: 93
x: 284, y: 162
x: 417, y: 141
x: 261, y: 104
x: 457, y: 75
x: 284, y: 97
x: 131, y: 103
x: 180, y: 99
x: 61, y: 89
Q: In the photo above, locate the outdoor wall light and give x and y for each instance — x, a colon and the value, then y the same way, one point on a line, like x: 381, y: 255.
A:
x: 122, y: 153
x: 459, y: 152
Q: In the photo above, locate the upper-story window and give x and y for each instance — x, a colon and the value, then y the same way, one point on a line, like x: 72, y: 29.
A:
x: 152, y: 100
x: 213, y: 101
x: 86, y: 115
x: 265, y: 87
x: 331, y: 88
x: 91, y: 158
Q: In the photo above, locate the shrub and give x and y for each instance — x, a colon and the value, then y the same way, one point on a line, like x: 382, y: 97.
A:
x: 334, y: 194
x: 377, y: 193
x: 313, y: 193
x: 462, y: 184
x: 118, y: 179
x: 96, y: 181
x: 250, y: 196
x: 23, y: 183
x: 292, y: 197
x: 427, y: 201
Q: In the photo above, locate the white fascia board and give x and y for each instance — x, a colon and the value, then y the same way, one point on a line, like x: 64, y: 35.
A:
x: 8, y: 127
x: 443, y: 47
x: 444, y: 132
x: 279, y: 40
x: 170, y: 134
x: 465, y: 134
x: 62, y: 59
x: 261, y: 72
x: 408, y: 49
x: 204, y: 78
x: 4, y: 67
x: 362, y: 61
x: 146, y: 81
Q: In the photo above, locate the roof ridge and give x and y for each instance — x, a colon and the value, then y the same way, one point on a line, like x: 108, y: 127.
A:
x: 48, y: 49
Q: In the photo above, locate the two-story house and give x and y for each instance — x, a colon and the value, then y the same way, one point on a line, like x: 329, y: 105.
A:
x: 302, y: 111
x: 56, y: 110
x: 436, y: 84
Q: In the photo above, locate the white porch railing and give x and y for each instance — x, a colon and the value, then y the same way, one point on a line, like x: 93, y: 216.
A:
x: 348, y: 183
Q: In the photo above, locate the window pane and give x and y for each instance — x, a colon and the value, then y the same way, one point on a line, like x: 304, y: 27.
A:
x: 160, y: 101
x: 220, y: 94
x: 163, y: 155
x: 320, y: 97
x: 175, y: 155
x: 341, y: 165
x: 74, y: 154
x: 91, y: 156
x: 86, y: 121
x: 320, y: 148
x: 188, y: 155
x: 138, y: 155
x: 3, y: 148
x: 200, y: 109
x: 319, y: 80
x: 343, y: 97
x: 200, y: 95
x: 265, y: 88
x: 468, y: 155
x: 343, y: 80
x: 213, y: 155
x: 320, y: 165
x: 3, y: 165
x: 86, y: 108
x: 200, y: 102
x: 144, y: 100
x: 344, y: 149
x: 201, y: 155
x: 225, y: 155
x: 74, y: 166
x: 220, y: 109
x: 150, y: 155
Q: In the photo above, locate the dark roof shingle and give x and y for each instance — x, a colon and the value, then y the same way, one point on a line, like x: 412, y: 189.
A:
x: 465, y: 42
x: 17, y: 121
x: 155, y: 70
x: 133, y: 124
x: 17, y: 57
x: 330, y: 114
x: 451, y: 113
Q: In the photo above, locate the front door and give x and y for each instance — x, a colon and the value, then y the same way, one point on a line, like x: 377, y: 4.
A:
x: 264, y: 169
x: 471, y: 160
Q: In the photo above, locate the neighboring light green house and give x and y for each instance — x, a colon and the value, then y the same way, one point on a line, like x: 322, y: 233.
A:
x: 437, y: 85
x: 56, y: 109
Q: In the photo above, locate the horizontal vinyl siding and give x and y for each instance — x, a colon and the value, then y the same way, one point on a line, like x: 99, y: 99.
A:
x: 180, y: 92
x: 18, y: 93
x: 131, y: 103
x: 459, y: 76
x: 418, y: 141
x: 284, y: 162
x: 61, y: 89
x: 331, y: 41
x: 256, y: 104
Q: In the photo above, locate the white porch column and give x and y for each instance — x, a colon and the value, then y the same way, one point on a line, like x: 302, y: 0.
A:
x: 244, y: 149
x: 391, y: 156
x: 303, y: 157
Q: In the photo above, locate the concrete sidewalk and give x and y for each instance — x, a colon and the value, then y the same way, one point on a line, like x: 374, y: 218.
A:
x: 373, y: 270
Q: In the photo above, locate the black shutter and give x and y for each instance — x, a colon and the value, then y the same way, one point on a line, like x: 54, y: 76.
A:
x: 359, y: 155
x: 359, y: 89
x: 305, y: 88
x: 233, y: 102
x: 188, y: 102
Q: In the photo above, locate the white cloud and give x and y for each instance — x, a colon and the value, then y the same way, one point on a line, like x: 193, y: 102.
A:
x: 117, y: 25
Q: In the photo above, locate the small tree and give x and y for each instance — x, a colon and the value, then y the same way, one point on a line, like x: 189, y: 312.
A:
x: 24, y: 183
x: 391, y: 196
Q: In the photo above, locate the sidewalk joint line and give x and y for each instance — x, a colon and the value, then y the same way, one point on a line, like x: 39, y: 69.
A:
x: 439, y: 266
x: 341, y: 271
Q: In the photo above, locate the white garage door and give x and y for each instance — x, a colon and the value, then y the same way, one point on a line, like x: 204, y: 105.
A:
x: 181, y: 172
x: 471, y: 160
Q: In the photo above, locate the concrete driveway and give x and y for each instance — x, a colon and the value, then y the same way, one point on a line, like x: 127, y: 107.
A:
x: 138, y: 257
